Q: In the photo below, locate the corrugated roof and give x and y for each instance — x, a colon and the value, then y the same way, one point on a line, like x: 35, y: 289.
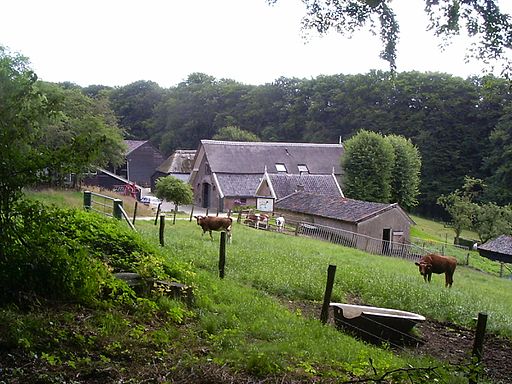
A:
x: 334, y: 207
x: 254, y: 157
x: 284, y: 184
x: 501, y: 244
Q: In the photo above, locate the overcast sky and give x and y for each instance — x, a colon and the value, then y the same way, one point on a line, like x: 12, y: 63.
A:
x: 117, y: 42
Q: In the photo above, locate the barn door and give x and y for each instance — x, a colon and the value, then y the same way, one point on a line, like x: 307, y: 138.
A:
x: 386, y: 239
x: 206, y: 195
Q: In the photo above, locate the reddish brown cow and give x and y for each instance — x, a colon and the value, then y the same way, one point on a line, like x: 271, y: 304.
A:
x: 214, y: 223
x: 433, y: 263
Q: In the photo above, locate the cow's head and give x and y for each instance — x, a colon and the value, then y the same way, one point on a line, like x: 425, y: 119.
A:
x: 425, y: 268
x: 199, y: 219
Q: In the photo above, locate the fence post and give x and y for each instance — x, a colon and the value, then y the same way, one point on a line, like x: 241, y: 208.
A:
x: 134, y: 213
x: 157, y: 213
x: 191, y: 213
x: 174, y: 216
x: 162, y: 228
x: 331, y: 272
x: 222, y: 254
x: 87, y: 200
x: 479, y: 341
x: 118, y: 203
x: 467, y: 259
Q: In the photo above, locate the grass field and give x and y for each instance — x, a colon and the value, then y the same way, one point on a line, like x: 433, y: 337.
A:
x: 240, y: 321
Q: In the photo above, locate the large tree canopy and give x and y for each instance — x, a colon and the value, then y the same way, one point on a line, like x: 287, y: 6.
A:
x: 482, y: 20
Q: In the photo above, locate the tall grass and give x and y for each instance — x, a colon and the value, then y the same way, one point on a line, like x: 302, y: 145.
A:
x: 295, y: 268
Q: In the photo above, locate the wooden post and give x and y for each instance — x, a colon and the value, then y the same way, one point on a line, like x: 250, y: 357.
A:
x: 467, y: 259
x: 157, y: 213
x: 117, y: 210
x: 331, y: 272
x: 162, y: 228
x: 174, y: 217
x: 239, y: 219
x: 134, y: 213
x: 222, y: 254
x: 191, y: 213
x: 479, y: 340
x: 87, y: 200
x: 206, y: 214
x: 501, y: 268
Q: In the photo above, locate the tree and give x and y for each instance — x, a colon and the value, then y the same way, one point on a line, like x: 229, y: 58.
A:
x: 172, y: 189
x: 460, y: 205
x: 232, y: 133
x: 23, y: 110
x: 82, y: 136
x: 491, y: 220
x: 405, y: 180
x: 368, y: 164
x: 482, y: 21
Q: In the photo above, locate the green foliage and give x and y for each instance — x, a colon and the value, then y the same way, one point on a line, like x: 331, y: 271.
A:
x: 172, y: 189
x: 231, y: 133
x: 491, y: 220
x: 70, y: 254
x: 368, y: 165
x: 406, y: 172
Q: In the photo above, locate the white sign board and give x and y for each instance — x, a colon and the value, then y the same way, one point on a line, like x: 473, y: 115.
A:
x: 265, y: 204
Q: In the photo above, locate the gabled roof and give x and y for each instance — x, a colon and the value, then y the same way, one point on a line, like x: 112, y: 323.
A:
x: 238, y: 185
x: 502, y: 244
x: 133, y: 145
x: 181, y: 161
x: 282, y: 185
x: 335, y: 207
x: 252, y: 157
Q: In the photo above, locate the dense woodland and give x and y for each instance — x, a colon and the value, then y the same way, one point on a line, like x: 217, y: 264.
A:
x: 460, y: 126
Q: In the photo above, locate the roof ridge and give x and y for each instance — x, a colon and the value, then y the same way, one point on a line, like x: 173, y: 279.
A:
x: 269, y: 143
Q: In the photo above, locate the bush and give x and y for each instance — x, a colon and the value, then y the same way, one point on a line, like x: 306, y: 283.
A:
x: 68, y: 254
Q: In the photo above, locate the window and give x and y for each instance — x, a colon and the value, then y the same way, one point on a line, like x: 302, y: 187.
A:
x: 303, y: 168
x: 280, y: 167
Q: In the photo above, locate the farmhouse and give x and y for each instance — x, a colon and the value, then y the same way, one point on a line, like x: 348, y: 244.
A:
x: 228, y: 172
x: 387, y: 222
x: 179, y: 165
x: 498, y: 249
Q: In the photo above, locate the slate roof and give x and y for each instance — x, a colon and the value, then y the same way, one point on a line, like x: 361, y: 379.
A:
x: 234, y: 185
x: 252, y: 157
x: 133, y: 145
x: 502, y: 244
x: 334, y: 207
x: 181, y: 161
x: 284, y: 184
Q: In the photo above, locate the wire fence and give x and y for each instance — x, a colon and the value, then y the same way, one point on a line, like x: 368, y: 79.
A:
x: 365, y: 243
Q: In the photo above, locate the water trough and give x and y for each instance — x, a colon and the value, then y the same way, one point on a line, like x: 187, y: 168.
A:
x: 376, y: 324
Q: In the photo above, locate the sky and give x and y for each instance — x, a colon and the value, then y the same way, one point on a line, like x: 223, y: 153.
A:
x: 118, y: 42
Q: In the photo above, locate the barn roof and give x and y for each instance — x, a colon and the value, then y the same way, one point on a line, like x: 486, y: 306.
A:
x: 241, y: 185
x: 334, y: 207
x: 252, y: 157
x: 283, y: 185
x: 181, y: 161
x: 133, y: 145
x: 502, y: 244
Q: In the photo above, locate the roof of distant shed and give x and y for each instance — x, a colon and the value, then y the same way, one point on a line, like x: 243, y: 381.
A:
x: 254, y: 157
x: 181, y: 161
x: 133, y: 145
x: 502, y: 244
x: 285, y: 184
x: 334, y: 207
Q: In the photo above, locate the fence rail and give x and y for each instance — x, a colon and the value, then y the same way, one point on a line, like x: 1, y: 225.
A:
x: 359, y: 241
x: 109, y: 206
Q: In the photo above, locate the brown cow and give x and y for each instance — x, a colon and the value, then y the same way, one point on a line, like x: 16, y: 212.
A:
x: 433, y: 263
x: 214, y: 223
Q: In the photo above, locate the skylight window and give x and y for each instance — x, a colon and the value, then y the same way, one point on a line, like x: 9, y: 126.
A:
x: 303, y: 168
x: 280, y: 167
